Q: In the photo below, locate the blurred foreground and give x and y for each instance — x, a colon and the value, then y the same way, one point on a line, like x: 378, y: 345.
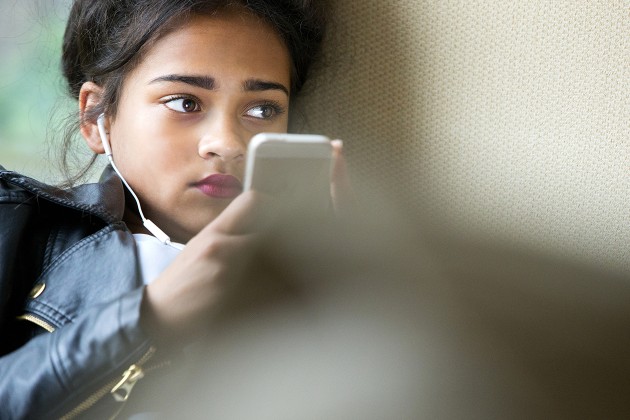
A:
x: 371, y: 318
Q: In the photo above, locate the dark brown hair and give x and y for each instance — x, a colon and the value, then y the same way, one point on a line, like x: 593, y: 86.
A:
x: 105, y: 39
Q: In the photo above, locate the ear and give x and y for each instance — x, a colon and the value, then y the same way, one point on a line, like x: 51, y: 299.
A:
x: 89, y: 97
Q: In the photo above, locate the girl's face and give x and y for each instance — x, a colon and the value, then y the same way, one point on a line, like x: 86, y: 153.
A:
x: 188, y: 110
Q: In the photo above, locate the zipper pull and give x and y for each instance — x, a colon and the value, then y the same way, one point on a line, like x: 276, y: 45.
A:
x: 123, y: 388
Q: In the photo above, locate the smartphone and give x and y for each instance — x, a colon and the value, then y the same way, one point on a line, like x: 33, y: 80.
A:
x: 295, y: 168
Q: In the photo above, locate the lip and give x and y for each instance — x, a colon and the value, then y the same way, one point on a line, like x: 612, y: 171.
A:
x: 220, y: 186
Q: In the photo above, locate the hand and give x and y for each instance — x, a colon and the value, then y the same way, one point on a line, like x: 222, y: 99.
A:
x: 180, y: 302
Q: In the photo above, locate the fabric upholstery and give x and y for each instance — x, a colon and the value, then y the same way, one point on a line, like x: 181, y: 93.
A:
x: 502, y: 121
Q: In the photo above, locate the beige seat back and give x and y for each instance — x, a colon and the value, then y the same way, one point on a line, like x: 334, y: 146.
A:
x: 506, y: 121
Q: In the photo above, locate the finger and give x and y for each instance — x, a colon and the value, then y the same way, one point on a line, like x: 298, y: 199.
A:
x: 340, y: 189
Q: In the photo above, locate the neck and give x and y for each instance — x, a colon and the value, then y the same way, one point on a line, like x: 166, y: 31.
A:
x: 133, y: 221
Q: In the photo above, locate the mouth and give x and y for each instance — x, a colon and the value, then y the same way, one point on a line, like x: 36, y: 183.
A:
x: 220, y: 186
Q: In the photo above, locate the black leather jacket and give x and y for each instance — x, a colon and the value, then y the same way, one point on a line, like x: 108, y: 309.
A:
x: 70, y: 295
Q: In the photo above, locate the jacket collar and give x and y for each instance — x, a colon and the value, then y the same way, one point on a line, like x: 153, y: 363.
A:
x: 104, y: 199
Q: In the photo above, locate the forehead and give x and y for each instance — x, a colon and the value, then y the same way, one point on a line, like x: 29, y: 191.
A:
x: 231, y: 42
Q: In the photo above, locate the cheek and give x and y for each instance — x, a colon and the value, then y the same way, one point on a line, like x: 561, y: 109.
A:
x: 165, y: 144
x: 151, y: 146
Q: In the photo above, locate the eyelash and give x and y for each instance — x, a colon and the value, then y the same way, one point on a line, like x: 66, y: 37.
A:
x: 178, y: 97
x: 277, y: 108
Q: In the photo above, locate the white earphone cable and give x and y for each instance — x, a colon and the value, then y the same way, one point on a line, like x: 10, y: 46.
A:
x: 151, y: 227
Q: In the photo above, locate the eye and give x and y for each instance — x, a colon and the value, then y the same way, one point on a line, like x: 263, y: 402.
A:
x: 182, y: 104
x: 265, y: 111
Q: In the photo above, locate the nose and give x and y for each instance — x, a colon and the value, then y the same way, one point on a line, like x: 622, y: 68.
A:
x: 223, y: 139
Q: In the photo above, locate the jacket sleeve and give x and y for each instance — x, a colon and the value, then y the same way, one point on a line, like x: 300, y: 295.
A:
x: 51, y: 374
x: 54, y: 373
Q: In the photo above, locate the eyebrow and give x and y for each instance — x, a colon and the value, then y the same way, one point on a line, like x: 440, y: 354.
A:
x: 257, y: 85
x: 204, y: 82
x: 207, y: 82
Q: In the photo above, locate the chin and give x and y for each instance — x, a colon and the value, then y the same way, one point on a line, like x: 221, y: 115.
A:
x: 190, y: 224
x: 200, y: 223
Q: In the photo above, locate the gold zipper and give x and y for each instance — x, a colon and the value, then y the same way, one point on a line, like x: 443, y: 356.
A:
x: 39, y: 322
x: 128, y: 381
x: 123, y: 388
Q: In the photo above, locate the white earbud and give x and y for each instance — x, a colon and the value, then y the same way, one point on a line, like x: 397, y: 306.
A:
x: 100, y: 123
x: 151, y: 227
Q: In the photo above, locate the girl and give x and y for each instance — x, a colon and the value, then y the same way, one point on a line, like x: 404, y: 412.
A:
x: 89, y: 297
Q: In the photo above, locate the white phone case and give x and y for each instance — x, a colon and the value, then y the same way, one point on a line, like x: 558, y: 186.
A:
x: 296, y: 167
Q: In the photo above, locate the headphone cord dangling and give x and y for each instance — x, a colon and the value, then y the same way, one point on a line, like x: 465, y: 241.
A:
x: 151, y: 227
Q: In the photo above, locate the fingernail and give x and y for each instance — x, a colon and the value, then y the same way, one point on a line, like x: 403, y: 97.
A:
x: 337, y: 142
